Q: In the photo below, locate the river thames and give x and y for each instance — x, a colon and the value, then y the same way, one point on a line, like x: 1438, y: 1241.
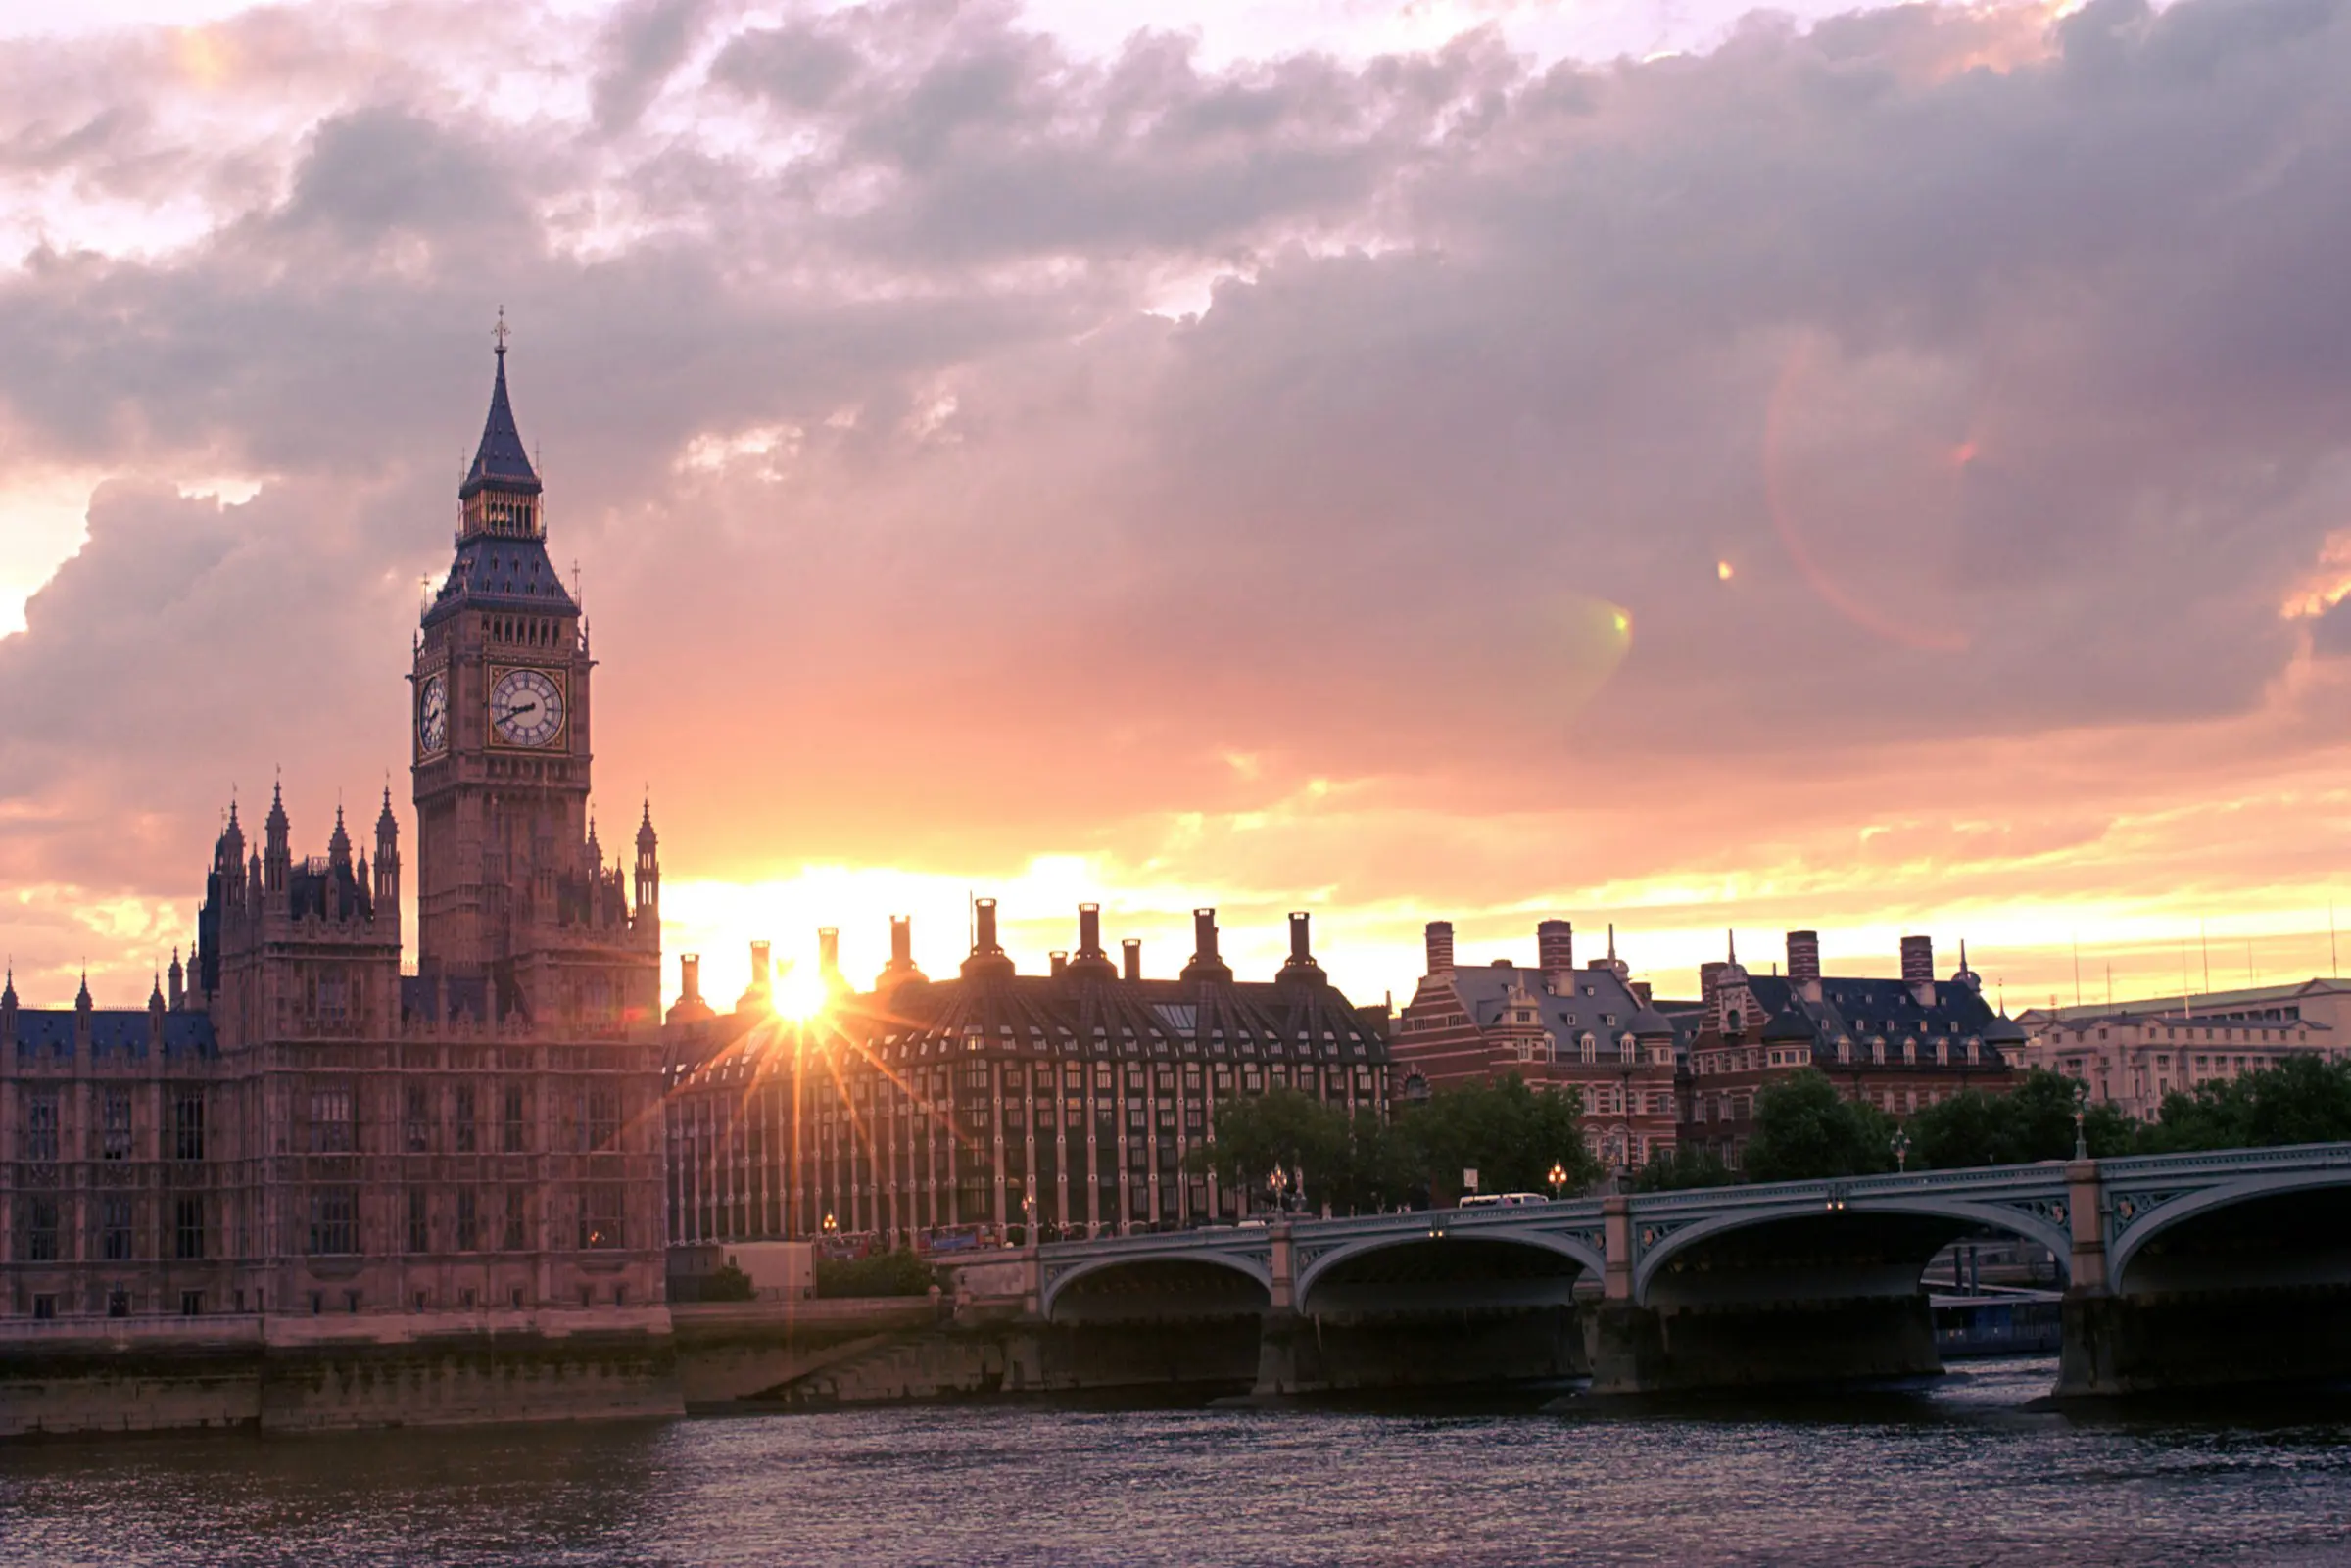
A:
x: 1960, y: 1474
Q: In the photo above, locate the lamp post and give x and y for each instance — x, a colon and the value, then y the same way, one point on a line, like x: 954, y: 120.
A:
x: 1279, y: 1185
x: 1559, y: 1179
x: 2080, y: 1111
x: 1901, y: 1151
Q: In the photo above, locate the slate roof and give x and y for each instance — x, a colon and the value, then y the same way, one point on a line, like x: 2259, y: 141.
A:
x: 1865, y: 1008
x: 493, y: 571
x: 1601, y: 993
x: 501, y: 462
x: 115, y: 1032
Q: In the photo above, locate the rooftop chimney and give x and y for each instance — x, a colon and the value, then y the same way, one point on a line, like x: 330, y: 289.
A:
x: 900, y: 968
x: 1918, y: 967
x: 1089, y: 959
x: 1440, y: 947
x: 1803, y: 957
x: 987, y: 954
x: 984, y: 936
x: 689, y: 978
x: 755, y: 996
x: 1061, y: 962
x: 1301, y: 964
x: 1554, y: 953
x: 1133, y: 946
x: 1205, y: 963
x: 828, y: 955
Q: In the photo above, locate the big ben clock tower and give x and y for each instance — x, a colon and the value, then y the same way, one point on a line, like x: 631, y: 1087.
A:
x: 517, y: 912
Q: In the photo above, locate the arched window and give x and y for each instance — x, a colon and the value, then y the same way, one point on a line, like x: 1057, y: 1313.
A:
x: 1591, y: 1048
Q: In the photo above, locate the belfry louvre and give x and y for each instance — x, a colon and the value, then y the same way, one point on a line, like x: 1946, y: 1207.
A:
x: 996, y: 1103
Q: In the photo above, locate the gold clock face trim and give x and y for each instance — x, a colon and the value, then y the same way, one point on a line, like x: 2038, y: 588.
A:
x: 432, y: 715
x: 527, y: 708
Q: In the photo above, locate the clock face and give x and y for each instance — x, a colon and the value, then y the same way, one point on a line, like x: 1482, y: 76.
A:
x: 432, y: 715
x: 526, y: 708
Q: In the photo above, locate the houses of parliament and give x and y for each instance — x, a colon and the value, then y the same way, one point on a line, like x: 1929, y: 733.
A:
x: 295, y: 1133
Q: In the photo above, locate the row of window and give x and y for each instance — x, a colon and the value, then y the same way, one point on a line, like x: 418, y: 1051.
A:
x: 42, y: 1125
x: 333, y: 1126
x: 462, y: 1225
x: 38, y: 1239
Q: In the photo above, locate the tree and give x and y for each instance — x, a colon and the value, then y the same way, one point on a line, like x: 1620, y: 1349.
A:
x: 1510, y: 1134
x: 2033, y: 1122
x: 2302, y: 1100
x: 895, y: 1274
x: 1804, y: 1129
x: 1684, y: 1167
x: 725, y: 1283
x: 1280, y: 1127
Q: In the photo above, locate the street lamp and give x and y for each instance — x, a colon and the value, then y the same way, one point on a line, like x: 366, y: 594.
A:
x: 1901, y: 1151
x: 1559, y: 1179
x: 2080, y: 1109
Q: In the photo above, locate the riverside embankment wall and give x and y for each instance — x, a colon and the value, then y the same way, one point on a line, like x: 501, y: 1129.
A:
x: 299, y: 1374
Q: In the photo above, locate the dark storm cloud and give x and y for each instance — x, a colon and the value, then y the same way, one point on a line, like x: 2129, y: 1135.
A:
x: 2001, y: 367
x: 644, y: 42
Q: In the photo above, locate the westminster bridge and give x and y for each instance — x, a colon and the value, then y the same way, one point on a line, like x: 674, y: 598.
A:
x: 2180, y: 1271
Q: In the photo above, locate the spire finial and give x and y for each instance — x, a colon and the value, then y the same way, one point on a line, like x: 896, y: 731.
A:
x: 501, y: 332
x: 1732, y: 937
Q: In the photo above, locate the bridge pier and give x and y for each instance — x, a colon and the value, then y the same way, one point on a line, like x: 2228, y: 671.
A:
x: 1652, y: 1350
x: 2256, y: 1294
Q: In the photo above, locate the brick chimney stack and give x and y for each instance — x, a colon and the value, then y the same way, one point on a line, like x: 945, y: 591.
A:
x: 1440, y: 947
x: 1554, y: 955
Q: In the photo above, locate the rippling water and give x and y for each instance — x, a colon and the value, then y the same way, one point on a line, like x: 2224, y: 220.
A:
x: 1961, y: 1474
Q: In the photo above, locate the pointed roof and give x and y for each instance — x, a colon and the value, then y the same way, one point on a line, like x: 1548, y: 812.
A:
x: 645, y: 840
x: 387, y: 826
x: 338, y: 845
x: 81, y: 999
x: 501, y: 462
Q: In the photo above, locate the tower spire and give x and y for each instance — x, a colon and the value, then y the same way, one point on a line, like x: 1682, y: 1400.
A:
x: 500, y: 462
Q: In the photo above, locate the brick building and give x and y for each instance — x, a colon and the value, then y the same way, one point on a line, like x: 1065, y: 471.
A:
x: 1555, y: 1025
x: 943, y: 1111
x: 1898, y: 1044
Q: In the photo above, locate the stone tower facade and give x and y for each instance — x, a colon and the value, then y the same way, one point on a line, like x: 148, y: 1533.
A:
x: 331, y: 1163
x: 517, y: 912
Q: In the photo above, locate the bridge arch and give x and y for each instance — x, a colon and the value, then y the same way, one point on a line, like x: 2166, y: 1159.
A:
x: 1165, y: 1263
x: 2142, y: 1222
x: 1654, y: 1257
x: 1331, y: 1267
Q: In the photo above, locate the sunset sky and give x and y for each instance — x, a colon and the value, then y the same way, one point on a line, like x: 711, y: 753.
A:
x: 1881, y: 471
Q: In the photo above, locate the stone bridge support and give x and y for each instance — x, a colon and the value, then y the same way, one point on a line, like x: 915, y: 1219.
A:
x: 1756, y: 1321
x: 2243, y: 1284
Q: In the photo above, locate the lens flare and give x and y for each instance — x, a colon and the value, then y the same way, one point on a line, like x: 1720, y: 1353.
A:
x: 800, y: 993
